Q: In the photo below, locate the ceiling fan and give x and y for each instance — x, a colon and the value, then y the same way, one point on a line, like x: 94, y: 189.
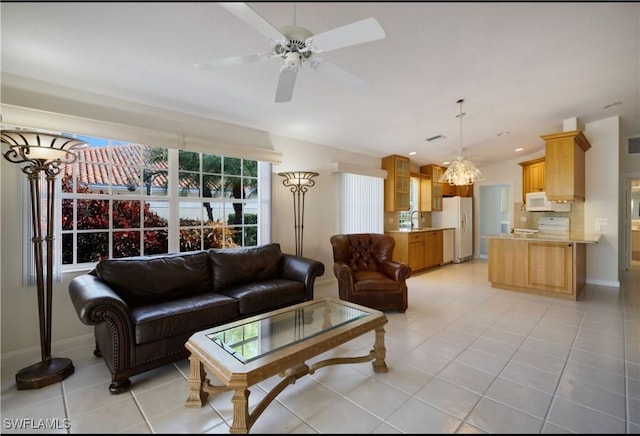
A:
x: 297, y: 46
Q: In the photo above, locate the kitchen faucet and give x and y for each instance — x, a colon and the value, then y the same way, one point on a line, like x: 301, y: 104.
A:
x: 411, y: 218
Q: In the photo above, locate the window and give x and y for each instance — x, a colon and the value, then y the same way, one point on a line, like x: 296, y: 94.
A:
x: 406, y: 218
x: 231, y: 217
x: 123, y: 199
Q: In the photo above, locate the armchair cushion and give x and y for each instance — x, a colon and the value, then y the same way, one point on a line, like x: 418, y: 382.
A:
x: 372, y: 281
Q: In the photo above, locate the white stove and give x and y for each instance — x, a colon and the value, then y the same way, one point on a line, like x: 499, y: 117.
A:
x: 552, y: 225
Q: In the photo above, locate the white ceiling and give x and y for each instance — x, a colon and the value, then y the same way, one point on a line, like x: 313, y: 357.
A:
x: 520, y: 67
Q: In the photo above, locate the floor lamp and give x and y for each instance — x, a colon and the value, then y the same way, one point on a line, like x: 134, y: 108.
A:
x: 298, y: 183
x: 42, y: 155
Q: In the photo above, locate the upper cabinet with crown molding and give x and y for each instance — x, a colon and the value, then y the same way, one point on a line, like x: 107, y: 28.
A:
x: 565, y: 165
x: 397, y: 184
x: 437, y: 188
x: 533, y: 174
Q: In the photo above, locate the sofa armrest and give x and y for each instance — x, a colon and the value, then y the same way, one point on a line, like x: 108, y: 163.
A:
x: 301, y: 269
x: 395, y: 270
x: 95, y: 302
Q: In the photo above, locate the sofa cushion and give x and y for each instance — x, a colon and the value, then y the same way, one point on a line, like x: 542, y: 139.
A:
x: 238, y: 266
x: 266, y: 295
x: 157, y: 322
x: 145, y: 280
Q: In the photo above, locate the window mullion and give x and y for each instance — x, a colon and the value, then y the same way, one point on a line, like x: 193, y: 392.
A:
x: 174, y: 202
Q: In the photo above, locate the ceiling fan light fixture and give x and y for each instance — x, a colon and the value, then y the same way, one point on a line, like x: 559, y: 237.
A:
x: 292, y: 61
x: 461, y: 171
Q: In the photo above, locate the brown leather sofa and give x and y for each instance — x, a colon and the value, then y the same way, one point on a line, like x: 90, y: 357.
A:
x: 366, y: 273
x: 144, y: 309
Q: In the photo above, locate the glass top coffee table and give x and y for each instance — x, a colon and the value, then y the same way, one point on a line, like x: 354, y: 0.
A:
x: 245, y: 352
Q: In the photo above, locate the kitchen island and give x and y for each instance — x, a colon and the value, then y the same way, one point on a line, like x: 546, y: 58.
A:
x: 545, y: 264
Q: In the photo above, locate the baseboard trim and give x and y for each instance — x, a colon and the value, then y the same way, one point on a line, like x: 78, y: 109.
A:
x: 36, y: 349
x: 612, y: 284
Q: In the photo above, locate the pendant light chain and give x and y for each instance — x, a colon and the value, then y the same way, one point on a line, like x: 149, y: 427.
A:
x: 460, y: 115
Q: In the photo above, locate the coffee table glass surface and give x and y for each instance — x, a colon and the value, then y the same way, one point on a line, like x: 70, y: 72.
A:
x: 257, y: 338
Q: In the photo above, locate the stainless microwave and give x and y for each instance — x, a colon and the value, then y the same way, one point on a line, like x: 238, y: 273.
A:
x: 538, y: 202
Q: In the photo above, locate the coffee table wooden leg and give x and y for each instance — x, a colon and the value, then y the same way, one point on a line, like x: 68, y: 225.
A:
x: 197, y: 396
x: 240, y: 403
x: 380, y: 352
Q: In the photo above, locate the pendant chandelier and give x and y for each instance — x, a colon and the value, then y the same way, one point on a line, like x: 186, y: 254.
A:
x: 461, y: 171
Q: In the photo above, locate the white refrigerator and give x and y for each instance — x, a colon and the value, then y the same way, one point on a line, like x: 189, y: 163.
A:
x: 457, y: 212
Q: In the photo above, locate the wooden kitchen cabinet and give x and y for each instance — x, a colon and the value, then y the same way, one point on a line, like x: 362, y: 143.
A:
x: 635, y: 244
x: 464, y: 190
x: 565, y: 165
x: 426, y: 193
x: 507, y: 263
x: 409, y: 248
x: 433, y: 243
x: 419, y: 250
x: 435, y: 172
x: 397, y: 184
x: 416, y: 251
x: 421, y: 183
x: 556, y: 269
x: 449, y: 190
x: 550, y: 266
x: 533, y: 176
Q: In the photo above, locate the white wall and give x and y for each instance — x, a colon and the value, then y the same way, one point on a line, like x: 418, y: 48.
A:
x: 602, y: 184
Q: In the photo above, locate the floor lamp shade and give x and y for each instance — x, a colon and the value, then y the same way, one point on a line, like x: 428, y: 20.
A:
x: 298, y: 183
x: 42, y: 155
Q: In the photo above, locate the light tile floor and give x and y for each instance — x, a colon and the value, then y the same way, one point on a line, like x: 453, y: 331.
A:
x: 465, y: 358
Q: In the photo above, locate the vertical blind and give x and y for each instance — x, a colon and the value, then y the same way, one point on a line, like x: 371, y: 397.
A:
x: 361, y: 204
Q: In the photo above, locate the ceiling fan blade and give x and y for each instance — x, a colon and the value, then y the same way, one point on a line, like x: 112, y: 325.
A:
x: 286, y: 83
x: 254, y: 19
x: 232, y: 61
x: 340, y: 75
x: 350, y: 34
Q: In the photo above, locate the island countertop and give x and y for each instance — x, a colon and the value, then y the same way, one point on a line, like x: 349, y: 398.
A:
x: 418, y: 229
x: 575, y: 237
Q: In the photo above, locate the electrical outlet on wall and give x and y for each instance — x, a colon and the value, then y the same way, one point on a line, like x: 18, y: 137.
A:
x: 601, y: 222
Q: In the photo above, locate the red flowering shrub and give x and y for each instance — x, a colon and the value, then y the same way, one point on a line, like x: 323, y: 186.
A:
x: 94, y: 214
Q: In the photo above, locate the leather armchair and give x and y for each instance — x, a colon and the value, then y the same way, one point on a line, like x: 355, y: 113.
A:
x: 365, y: 272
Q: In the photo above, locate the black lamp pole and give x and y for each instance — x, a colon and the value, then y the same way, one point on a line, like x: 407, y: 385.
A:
x: 42, y: 154
x: 298, y: 183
